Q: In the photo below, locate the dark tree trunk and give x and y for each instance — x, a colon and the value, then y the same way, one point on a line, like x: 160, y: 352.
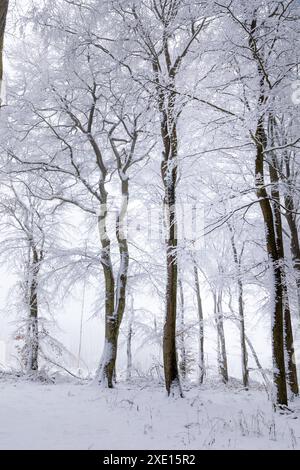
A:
x: 169, y: 337
x: 288, y: 329
x: 260, y: 140
x: 290, y: 353
x: 279, y: 373
x: 166, y: 103
x: 291, y: 218
x: 3, y: 15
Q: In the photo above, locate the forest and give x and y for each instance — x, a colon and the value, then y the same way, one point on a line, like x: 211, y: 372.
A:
x: 149, y: 230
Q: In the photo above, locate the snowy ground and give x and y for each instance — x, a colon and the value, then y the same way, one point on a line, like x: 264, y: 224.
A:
x: 76, y: 416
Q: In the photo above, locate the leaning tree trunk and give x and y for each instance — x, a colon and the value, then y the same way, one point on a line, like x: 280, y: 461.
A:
x: 244, y: 355
x: 258, y: 364
x: 254, y: 354
x: 201, y: 324
x: 3, y: 15
x: 222, y: 353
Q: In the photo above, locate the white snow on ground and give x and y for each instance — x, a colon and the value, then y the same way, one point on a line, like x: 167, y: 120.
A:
x: 76, y: 416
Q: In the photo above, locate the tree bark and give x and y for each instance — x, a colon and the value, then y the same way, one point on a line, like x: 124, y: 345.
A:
x: 260, y: 140
x: 244, y: 354
x: 115, y: 290
x: 129, y: 342
x: 279, y: 373
x: 107, y: 364
x: 3, y: 15
x: 291, y: 218
x: 201, y: 325
x: 32, y: 331
x: 166, y: 103
x: 291, y: 368
x: 222, y: 353
x: 182, y: 348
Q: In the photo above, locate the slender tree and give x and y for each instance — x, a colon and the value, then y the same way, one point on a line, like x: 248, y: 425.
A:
x: 244, y: 354
x: 201, y: 322
x: 3, y: 15
x: 166, y: 58
x: 181, y: 342
x: 219, y: 320
x: 26, y: 222
x: 130, y: 333
x: 261, y: 27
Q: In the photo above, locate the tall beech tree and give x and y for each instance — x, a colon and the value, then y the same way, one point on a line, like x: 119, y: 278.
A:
x: 163, y: 37
x: 262, y: 26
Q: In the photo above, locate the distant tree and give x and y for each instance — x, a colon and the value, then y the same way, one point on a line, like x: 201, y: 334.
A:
x: 29, y: 230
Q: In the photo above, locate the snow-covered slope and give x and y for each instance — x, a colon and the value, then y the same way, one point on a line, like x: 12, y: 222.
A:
x: 77, y: 416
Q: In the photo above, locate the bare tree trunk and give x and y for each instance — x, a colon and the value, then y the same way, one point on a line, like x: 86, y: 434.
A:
x: 294, y: 243
x: 244, y: 355
x: 107, y: 364
x: 201, y: 324
x: 291, y: 218
x: 257, y: 362
x: 260, y: 140
x: 81, y: 329
x: 166, y: 103
x: 279, y: 373
x: 290, y: 353
x: 169, y: 337
x: 182, y: 348
x: 222, y: 354
x: 288, y: 329
x: 166, y: 63
x: 236, y: 321
x: 3, y: 15
x: 245, y: 372
x: 115, y: 291
x: 129, y: 342
x: 32, y: 332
